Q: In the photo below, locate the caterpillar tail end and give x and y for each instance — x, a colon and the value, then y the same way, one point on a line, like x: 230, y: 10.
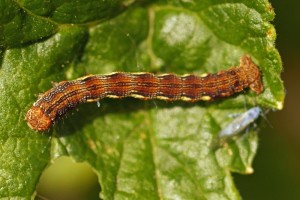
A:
x: 254, y: 78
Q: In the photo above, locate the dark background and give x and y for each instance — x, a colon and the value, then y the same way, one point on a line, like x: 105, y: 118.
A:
x: 277, y: 164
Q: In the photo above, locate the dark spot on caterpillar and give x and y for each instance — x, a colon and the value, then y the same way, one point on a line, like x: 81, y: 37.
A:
x: 143, y: 85
x: 236, y: 83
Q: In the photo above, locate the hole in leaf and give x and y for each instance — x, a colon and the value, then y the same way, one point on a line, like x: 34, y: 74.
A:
x: 66, y: 179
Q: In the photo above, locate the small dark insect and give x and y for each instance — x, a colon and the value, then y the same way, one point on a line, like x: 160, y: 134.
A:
x: 66, y: 95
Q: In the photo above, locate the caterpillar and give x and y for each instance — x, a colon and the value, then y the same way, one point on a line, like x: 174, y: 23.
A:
x: 66, y: 95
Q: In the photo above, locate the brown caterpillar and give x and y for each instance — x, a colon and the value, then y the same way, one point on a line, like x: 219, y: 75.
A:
x: 66, y: 95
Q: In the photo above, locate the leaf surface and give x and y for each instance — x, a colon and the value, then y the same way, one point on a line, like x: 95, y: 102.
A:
x: 139, y: 149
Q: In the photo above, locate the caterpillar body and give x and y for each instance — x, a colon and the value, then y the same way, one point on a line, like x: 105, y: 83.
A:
x: 66, y: 95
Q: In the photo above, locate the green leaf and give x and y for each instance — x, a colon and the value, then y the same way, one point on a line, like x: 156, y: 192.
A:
x: 139, y: 149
